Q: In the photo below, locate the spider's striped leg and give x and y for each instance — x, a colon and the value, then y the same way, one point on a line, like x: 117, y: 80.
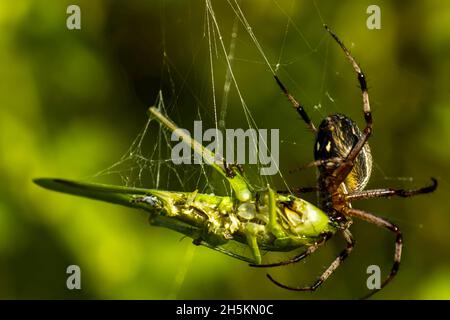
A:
x: 301, y: 111
x: 334, y: 265
x: 380, y: 222
x: 342, y: 171
x: 386, y: 193
x: 297, y: 258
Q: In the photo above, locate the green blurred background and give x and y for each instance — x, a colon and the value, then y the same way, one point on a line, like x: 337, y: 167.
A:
x: 72, y: 101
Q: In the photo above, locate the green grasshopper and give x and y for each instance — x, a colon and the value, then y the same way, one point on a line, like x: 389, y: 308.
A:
x: 262, y: 219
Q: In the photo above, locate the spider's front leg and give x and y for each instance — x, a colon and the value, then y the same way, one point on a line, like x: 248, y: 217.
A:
x: 298, y: 107
x: 344, y: 169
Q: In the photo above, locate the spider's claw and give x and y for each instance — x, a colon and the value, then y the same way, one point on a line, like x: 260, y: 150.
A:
x: 287, y: 287
x: 433, y: 186
x: 423, y: 190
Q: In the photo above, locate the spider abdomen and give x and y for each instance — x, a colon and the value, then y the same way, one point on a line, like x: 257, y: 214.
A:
x: 336, y: 136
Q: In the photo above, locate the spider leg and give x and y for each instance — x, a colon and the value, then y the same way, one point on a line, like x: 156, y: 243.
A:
x: 334, y: 265
x: 385, y: 193
x: 342, y: 171
x: 222, y: 250
x: 380, y: 222
x: 296, y: 105
x: 297, y: 258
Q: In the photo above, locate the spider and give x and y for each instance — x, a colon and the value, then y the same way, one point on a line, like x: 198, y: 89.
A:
x: 344, y: 160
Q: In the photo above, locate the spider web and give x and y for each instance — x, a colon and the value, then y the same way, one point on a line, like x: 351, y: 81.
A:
x: 147, y: 162
x: 229, y: 46
x: 223, y: 32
